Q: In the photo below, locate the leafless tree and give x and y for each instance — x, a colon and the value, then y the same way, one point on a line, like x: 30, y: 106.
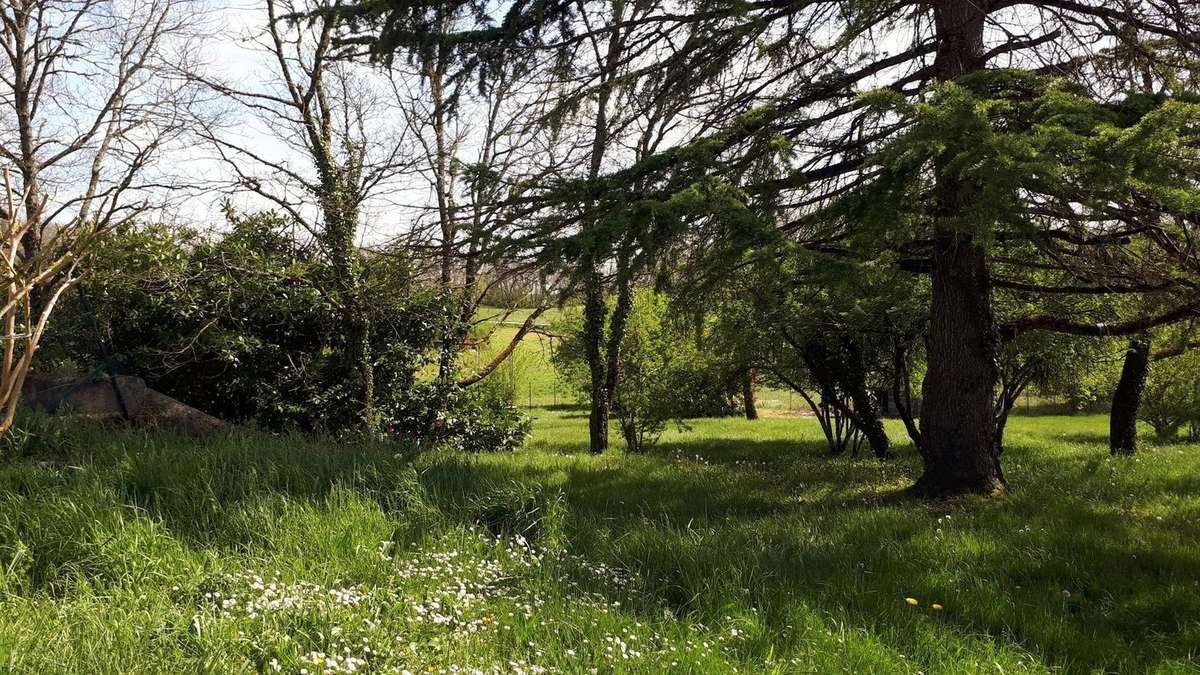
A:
x: 50, y: 270
x: 329, y: 123
x: 474, y: 146
x: 87, y: 105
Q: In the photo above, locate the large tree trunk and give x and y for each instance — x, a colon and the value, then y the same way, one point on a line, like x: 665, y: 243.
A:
x: 1127, y: 399
x: 365, y: 365
x: 958, y: 405
x: 618, y: 323
x: 594, y: 310
x: 867, y: 413
x: 356, y: 359
x: 748, y: 403
x: 869, y: 422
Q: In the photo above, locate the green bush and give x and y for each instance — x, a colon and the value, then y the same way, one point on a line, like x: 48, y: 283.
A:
x: 480, y: 418
x: 1171, y: 399
x: 241, y: 326
x: 663, y: 374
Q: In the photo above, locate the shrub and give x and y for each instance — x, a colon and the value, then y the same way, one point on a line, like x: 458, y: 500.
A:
x: 1171, y: 399
x: 484, y: 418
x: 663, y: 374
x: 241, y: 327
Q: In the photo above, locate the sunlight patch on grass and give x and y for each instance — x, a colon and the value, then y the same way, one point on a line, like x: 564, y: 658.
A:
x: 734, y: 546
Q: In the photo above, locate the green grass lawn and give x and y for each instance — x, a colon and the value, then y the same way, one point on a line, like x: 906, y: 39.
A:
x: 735, y: 546
x: 529, y: 369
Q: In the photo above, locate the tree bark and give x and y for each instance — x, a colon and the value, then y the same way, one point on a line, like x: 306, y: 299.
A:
x: 1127, y: 399
x: 453, y: 330
x: 748, y: 393
x: 1004, y: 407
x: 594, y: 313
x: 594, y: 310
x: 958, y: 408
x: 867, y: 414
x: 902, y: 393
x: 1013, y: 381
x: 618, y: 322
x: 357, y: 359
x: 842, y: 373
x: 958, y: 405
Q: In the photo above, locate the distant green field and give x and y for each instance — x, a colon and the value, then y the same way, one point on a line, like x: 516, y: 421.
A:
x: 539, y: 385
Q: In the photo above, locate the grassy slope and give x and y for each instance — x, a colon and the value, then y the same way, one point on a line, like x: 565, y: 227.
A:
x: 737, y: 546
x: 537, y: 383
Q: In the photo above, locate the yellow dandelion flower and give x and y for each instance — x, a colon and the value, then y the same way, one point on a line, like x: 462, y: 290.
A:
x: 912, y: 601
x: 937, y: 606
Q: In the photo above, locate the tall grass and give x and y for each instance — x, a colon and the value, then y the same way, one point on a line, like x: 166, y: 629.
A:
x: 736, y: 546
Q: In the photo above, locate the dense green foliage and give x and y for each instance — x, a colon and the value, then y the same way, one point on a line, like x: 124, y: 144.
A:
x: 236, y: 325
x: 1022, y: 138
x: 1171, y: 400
x: 243, y: 326
x: 482, y: 418
x: 667, y: 370
x: 843, y: 334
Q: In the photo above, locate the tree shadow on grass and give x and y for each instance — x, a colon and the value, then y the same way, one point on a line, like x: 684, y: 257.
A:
x: 1065, y: 566
x: 613, y: 487
x: 1085, y: 602
x: 1085, y: 438
x: 1045, y: 409
x: 1056, y: 566
x: 575, y: 408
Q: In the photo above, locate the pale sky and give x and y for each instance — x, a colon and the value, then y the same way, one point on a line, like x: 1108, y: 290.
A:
x: 232, y: 56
